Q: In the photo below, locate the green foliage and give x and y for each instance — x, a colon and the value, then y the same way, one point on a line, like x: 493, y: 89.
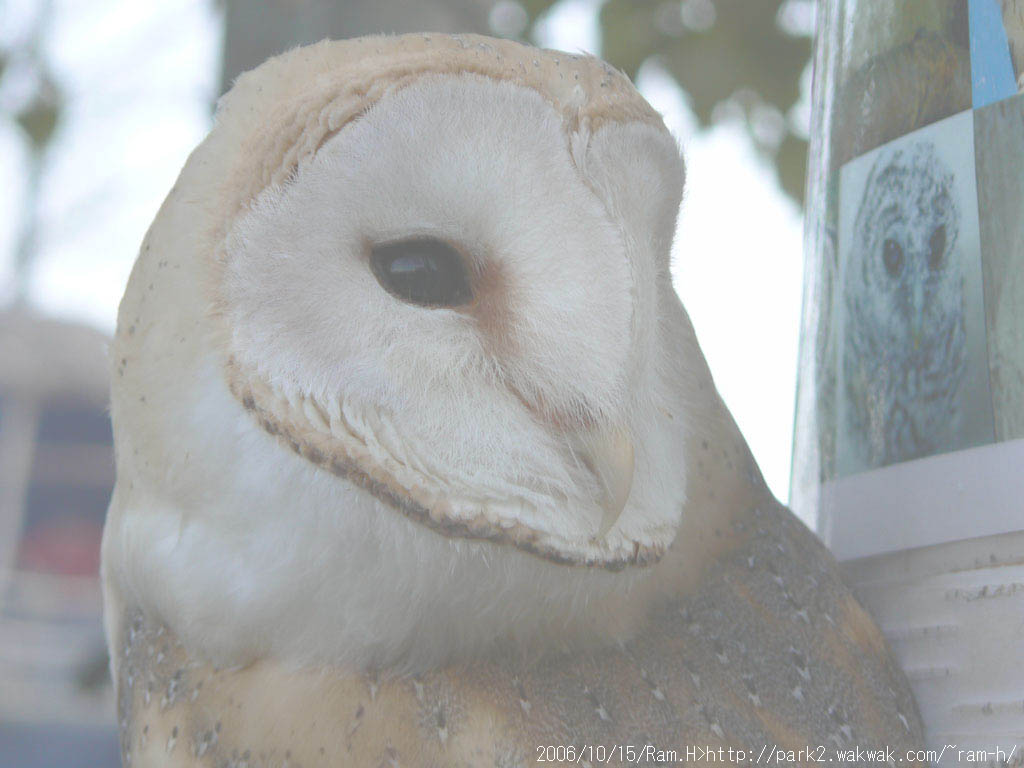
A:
x: 729, y: 56
x: 38, y: 118
x: 39, y: 113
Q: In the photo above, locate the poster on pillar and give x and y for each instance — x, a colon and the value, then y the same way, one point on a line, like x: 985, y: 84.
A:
x: 912, y: 370
x: 909, y: 440
x: 912, y: 386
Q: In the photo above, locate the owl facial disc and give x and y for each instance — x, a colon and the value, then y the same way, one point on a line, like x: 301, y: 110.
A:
x: 463, y: 321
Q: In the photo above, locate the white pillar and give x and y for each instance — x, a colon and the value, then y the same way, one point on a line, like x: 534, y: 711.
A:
x: 909, y: 447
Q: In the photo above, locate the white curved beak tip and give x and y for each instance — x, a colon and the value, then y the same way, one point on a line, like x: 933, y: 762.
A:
x: 610, y: 456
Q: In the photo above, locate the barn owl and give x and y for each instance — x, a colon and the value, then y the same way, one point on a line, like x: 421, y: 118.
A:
x: 905, y: 353
x: 419, y: 462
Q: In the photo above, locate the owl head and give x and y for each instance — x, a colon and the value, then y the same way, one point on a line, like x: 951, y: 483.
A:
x: 904, y: 257
x: 406, y: 319
x: 905, y: 342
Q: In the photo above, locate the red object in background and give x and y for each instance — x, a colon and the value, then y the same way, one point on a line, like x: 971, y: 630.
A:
x: 65, y: 547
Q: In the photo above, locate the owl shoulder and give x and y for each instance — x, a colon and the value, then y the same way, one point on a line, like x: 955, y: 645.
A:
x: 769, y: 647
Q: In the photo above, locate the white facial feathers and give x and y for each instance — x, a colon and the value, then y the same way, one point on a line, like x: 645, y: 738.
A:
x: 494, y: 400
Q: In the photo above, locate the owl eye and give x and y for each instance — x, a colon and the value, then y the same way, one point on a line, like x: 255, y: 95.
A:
x: 937, y: 247
x: 892, y: 257
x: 422, y: 271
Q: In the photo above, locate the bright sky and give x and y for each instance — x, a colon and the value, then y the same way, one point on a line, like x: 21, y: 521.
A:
x: 140, y: 78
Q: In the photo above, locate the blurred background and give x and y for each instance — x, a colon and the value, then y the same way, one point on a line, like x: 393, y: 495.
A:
x: 100, y: 103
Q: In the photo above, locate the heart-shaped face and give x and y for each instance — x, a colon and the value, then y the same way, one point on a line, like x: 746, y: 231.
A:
x: 453, y: 303
x: 401, y: 354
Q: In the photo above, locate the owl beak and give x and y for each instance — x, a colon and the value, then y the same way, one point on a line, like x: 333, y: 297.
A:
x: 608, y: 453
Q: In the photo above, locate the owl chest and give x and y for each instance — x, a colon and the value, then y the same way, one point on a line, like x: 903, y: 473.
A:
x: 771, y: 645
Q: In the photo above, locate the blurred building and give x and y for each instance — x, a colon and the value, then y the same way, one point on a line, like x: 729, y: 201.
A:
x: 56, y: 475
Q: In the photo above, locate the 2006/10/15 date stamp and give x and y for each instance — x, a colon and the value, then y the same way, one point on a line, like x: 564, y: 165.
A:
x: 768, y: 755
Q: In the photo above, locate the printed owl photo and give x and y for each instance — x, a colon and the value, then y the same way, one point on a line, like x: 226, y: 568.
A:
x: 1013, y: 26
x: 997, y: 50
x: 913, y: 379
x: 908, y: 65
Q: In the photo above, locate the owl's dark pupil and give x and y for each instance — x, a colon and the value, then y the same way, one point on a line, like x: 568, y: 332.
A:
x: 423, y: 271
x: 937, y: 247
x: 892, y: 257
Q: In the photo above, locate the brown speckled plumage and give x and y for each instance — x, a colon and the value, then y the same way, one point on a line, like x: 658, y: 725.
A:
x: 769, y: 635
